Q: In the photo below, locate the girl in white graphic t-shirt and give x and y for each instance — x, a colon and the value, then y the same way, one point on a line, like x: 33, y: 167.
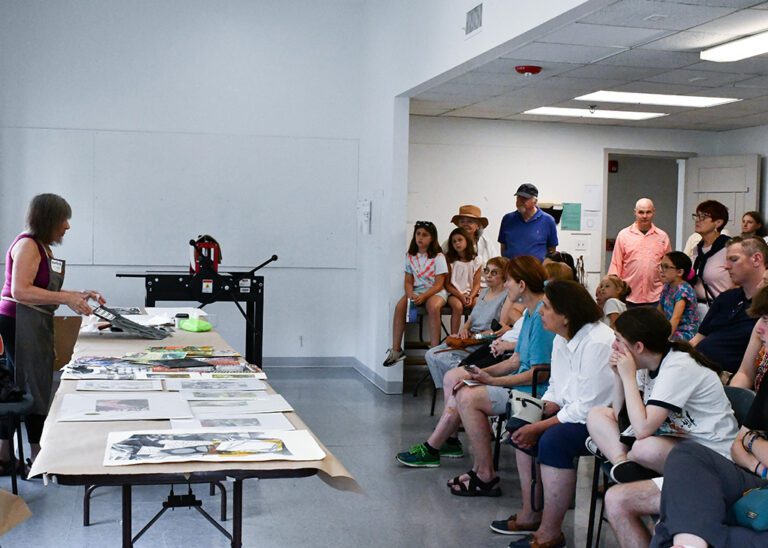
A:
x: 425, y: 271
x: 671, y: 392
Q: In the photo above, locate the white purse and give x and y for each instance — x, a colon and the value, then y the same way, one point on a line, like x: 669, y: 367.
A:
x: 523, y: 409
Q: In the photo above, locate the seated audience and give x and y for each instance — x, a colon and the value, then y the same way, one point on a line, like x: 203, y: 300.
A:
x: 724, y: 332
x: 492, y: 305
x: 425, y: 270
x: 611, y: 296
x: 755, y: 363
x: 558, y: 271
x: 671, y: 392
x: 471, y: 405
x: 464, y: 270
x: 564, y: 258
x: 701, y: 485
x: 678, y: 299
x: 708, y: 256
x: 752, y: 224
x: 471, y: 219
x: 580, y: 380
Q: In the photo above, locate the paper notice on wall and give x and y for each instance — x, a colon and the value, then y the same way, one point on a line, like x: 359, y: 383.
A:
x: 571, y: 219
x: 593, y: 198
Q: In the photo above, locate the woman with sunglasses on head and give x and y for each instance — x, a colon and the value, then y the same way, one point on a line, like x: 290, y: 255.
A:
x: 425, y: 272
x: 709, y: 255
x: 492, y: 306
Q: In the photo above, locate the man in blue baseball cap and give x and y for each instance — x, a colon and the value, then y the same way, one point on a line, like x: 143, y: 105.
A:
x: 527, y: 230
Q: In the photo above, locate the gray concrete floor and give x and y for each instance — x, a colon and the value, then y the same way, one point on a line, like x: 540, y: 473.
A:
x: 364, y: 428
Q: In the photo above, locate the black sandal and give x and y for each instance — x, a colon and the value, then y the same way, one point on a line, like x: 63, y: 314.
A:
x: 476, y: 487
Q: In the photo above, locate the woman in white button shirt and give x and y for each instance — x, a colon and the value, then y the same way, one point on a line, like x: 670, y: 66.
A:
x: 581, y: 378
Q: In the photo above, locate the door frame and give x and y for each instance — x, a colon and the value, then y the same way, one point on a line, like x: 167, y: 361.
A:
x: 667, y: 154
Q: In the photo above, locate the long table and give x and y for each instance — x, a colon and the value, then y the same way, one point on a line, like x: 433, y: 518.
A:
x: 73, y: 452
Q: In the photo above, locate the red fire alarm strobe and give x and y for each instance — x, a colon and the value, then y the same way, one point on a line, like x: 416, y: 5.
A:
x: 613, y: 166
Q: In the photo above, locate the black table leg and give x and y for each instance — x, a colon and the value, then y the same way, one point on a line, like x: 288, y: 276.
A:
x: 237, y: 514
x: 127, y: 534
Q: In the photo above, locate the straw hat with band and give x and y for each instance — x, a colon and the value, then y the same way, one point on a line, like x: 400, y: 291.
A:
x: 472, y: 212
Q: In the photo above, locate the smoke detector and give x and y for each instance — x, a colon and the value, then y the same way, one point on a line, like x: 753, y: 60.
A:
x: 528, y: 70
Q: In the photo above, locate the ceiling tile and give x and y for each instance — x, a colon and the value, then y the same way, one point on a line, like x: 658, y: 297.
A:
x: 424, y: 108
x: 758, y: 82
x: 733, y: 91
x: 754, y: 65
x: 655, y: 15
x: 539, y: 51
x: 652, y: 59
x: 658, y: 87
x: 474, y: 111
x: 602, y: 35
x: 738, y: 4
x: 761, y: 6
x: 507, y: 80
x: 614, y: 72
x: 687, y: 41
x: 740, y: 23
x: 697, y: 78
x: 469, y: 90
x: 452, y: 101
x: 587, y: 84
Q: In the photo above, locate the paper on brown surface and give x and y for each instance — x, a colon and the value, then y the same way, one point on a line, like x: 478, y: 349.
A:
x: 72, y: 449
x: 13, y: 511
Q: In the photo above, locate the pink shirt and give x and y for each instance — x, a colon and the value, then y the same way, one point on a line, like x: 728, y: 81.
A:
x: 636, y: 259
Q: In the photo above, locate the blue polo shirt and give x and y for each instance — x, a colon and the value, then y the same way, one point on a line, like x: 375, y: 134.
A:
x: 727, y: 328
x: 531, y: 237
x: 534, y: 346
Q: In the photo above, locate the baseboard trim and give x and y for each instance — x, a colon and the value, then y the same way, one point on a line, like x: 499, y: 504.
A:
x: 388, y: 387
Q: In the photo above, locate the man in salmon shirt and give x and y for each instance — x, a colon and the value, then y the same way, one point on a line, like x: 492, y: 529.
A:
x: 637, y: 254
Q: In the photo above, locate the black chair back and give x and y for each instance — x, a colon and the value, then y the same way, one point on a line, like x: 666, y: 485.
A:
x: 741, y: 400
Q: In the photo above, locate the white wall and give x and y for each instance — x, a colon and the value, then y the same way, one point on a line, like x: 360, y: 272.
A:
x: 752, y: 140
x: 456, y: 161
x: 77, y: 74
x: 410, y: 46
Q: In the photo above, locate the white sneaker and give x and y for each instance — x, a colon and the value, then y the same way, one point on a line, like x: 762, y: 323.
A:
x: 393, y: 356
x: 592, y: 447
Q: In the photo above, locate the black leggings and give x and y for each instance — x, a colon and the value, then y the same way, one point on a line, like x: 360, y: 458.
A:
x: 34, y: 423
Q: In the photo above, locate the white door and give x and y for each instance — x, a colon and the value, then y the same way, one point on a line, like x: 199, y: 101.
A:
x: 734, y: 181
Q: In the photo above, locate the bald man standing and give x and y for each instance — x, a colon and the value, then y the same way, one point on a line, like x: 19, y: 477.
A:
x: 637, y: 255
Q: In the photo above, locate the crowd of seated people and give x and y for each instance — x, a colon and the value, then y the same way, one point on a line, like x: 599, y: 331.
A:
x: 640, y: 386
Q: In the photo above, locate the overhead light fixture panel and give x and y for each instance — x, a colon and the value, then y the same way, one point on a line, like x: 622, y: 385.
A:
x: 594, y: 113
x: 631, y: 98
x: 757, y: 44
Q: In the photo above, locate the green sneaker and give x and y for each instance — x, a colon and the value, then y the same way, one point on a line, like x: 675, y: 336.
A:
x: 452, y: 450
x: 418, y: 457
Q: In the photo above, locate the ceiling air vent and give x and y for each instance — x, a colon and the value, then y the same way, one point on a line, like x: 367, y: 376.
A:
x: 474, y: 19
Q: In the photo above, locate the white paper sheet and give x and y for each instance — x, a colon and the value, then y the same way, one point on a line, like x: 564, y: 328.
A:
x: 267, y: 421
x: 264, y: 403
x: 219, y: 395
x: 119, y: 385
x: 123, y: 406
x: 229, y: 385
x: 217, y: 445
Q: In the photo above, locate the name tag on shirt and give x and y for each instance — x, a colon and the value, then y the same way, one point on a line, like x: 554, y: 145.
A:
x: 57, y: 265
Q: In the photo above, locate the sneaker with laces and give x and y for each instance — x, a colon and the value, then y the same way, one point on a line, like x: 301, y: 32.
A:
x: 393, y: 356
x: 419, y: 456
x: 452, y: 450
x: 592, y: 447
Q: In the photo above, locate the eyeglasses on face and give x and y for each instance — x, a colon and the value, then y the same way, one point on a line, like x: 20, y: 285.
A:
x: 700, y: 216
x: 666, y: 267
x: 424, y: 224
x: 489, y: 272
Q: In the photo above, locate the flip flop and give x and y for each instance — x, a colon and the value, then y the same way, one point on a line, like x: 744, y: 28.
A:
x: 476, y: 487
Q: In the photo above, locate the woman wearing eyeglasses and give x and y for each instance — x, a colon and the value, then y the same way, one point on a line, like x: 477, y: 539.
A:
x: 709, y: 255
x: 492, y: 304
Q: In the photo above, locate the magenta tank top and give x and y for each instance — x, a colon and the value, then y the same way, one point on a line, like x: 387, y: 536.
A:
x: 8, y: 308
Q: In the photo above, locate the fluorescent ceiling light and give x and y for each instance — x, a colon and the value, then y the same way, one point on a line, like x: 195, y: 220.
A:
x: 596, y: 113
x: 655, y: 99
x: 738, y: 49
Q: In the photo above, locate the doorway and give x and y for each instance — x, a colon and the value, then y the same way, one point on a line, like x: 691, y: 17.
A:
x: 634, y: 176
